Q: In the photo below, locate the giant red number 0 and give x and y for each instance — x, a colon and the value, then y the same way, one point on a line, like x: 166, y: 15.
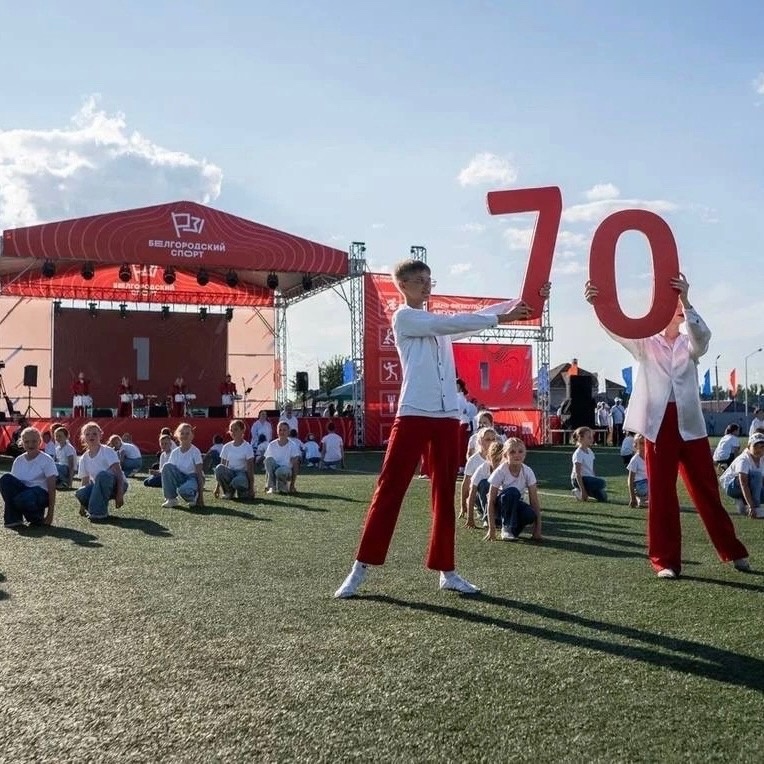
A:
x: 547, y: 202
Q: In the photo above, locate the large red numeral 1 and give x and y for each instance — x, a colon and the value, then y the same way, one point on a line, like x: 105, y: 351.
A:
x: 547, y: 201
x: 665, y: 266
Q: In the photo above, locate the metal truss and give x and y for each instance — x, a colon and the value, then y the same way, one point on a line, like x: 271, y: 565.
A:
x: 281, y: 371
x: 357, y: 269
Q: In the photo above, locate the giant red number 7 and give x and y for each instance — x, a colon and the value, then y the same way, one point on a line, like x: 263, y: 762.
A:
x: 547, y: 202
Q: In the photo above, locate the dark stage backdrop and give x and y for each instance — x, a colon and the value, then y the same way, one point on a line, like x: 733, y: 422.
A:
x: 141, y: 346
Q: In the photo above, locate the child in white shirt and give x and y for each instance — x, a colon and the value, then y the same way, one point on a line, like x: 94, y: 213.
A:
x: 583, y: 480
x: 166, y: 445
x: 509, y: 484
x: 479, y: 485
x: 66, y: 458
x: 484, y: 437
x: 728, y: 447
x: 627, y: 447
x: 637, y: 480
x: 311, y: 451
x: 182, y: 476
x: 743, y: 480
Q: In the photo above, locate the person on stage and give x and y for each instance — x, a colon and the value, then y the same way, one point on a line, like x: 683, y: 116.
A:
x: 665, y: 408
x: 227, y: 393
x: 427, y: 417
x: 125, y: 393
x: 80, y: 390
x: 179, y: 392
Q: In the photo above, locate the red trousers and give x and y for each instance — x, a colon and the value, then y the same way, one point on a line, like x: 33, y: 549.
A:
x: 409, y: 438
x: 691, y: 459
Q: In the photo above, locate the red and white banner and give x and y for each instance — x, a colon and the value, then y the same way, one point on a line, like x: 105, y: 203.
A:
x: 382, y: 367
x: 453, y: 304
x: 498, y: 376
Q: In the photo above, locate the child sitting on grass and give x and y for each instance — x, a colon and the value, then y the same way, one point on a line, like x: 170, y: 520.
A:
x: 166, y: 445
x: 509, y: 484
x: 728, y: 447
x: 483, y: 439
x: 743, y: 480
x: 583, y: 479
x: 637, y: 480
x: 479, y: 486
x: 627, y: 448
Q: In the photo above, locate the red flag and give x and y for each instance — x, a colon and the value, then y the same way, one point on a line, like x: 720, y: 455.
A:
x: 733, y: 381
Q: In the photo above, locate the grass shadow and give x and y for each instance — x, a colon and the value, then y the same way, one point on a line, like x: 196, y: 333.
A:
x: 563, y: 534
x: 149, y: 527
x: 4, y: 595
x: 595, y: 550
x: 78, y: 537
x: 217, y: 509
x: 311, y: 495
x: 744, y: 585
x: 664, y: 652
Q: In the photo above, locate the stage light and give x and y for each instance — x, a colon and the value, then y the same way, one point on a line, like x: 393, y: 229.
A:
x: 125, y: 274
x: 165, y: 312
x: 307, y: 282
x: 229, y: 314
x: 202, y: 278
x: 169, y: 275
x: 123, y: 310
x: 49, y: 269
x: 202, y: 314
x: 232, y: 279
x: 92, y: 309
x: 272, y: 282
x: 88, y: 271
x: 57, y: 309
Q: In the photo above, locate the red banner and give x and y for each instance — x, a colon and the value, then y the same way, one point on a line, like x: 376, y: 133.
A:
x: 382, y: 367
x: 498, y: 376
x: 525, y: 425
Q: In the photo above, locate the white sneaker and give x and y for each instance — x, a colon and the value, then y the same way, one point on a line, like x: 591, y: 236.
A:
x: 170, y: 503
x: 193, y: 499
x: 743, y: 565
x: 507, y: 535
x: 666, y: 573
x: 227, y: 495
x: 453, y: 581
x: 269, y: 490
x: 576, y: 494
x: 353, y: 581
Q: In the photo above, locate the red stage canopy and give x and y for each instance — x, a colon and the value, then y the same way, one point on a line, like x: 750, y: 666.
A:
x: 186, y: 236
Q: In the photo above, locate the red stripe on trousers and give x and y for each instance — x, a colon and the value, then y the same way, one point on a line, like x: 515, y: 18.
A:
x: 667, y: 457
x: 409, y: 438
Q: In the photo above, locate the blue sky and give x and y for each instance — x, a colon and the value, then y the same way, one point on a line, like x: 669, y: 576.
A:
x: 347, y: 121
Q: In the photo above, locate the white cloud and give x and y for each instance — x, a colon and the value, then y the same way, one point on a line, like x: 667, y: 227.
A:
x: 567, y: 267
x: 487, y: 168
x: 602, y: 191
x: 596, y: 211
x: 377, y: 226
x: 572, y: 240
x: 457, y: 269
x: 758, y: 83
x: 518, y: 238
x: 472, y: 227
x: 94, y: 165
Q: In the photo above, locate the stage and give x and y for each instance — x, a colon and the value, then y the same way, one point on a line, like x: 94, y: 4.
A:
x: 145, y: 432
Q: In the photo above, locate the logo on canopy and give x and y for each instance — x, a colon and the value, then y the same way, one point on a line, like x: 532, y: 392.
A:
x: 185, y: 222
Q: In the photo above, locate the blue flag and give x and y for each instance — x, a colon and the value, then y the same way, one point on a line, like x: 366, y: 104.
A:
x: 348, y: 372
x: 543, y: 380
x: 707, y: 383
x: 626, y: 373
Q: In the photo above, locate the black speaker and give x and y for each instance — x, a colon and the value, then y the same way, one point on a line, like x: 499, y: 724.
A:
x: 30, y: 376
x: 158, y: 412
x: 102, y: 414
x: 216, y: 412
x: 301, y: 381
x: 580, y: 388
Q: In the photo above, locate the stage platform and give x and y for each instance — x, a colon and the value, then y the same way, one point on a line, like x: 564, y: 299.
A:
x: 145, y: 432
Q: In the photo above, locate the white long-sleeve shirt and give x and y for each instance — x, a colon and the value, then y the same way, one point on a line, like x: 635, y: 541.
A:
x: 424, y: 345
x: 666, y: 368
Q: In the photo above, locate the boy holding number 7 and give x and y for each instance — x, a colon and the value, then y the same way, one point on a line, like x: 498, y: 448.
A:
x: 665, y: 408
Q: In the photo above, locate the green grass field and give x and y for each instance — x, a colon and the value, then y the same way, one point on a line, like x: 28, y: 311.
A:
x: 212, y: 635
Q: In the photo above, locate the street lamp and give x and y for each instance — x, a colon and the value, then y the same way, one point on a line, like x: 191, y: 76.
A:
x: 716, y: 374
x: 758, y: 350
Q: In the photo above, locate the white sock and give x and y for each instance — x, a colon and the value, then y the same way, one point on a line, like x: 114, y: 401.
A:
x: 357, y: 565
